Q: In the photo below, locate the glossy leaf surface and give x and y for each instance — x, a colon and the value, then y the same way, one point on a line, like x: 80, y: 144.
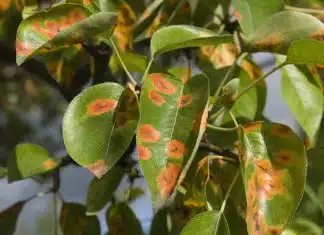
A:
x: 304, y: 99
x: 207, y: 223
x: 30, y: 160
x: 252, y: 13
x: 306, y: 51
x: 99, y: 125
x: 182, y: 36
x: 172, y: 112
x: 274, y: 172
x: 281, y: 30
x: 101, y: 190
x: 122, y: 220
x: 9, y: 217
x: 61, y: 26
x: 73, y: 220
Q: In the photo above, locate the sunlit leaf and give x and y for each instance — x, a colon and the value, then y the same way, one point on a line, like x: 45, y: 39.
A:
x: 99, y: 125
x: 73, y: 220
x: 122, y: 220
x: 30, y: 160
x: 9, y: 217
x: 306, y: 51
x: 279, y: 31
x: 252, y: 13
x: 172, y: 111
x: 274, y: 173
x: 101, y: 190
x: 60, y: 26
x: 304, y: 99
x: 182, y: 36
x: 207, y: 223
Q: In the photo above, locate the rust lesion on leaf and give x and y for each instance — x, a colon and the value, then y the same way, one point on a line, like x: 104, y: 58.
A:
x: 184, y: 100
x: 318, y: 34
x: 143, y: 152
x: 148, y: 133
x: 176, y: 149
x: 253, y: 71
x: 101, y: 106
x: 162, y: 85
x: 281, y: 130
x: 252, y: 126
x: 201, y: 121
x: 271, y: 42
x: 49, y: 164
x: 284, y: 158
x: 167, y: 180
x: 237, y: 15
x: 156, y: 98
x: 99, y: 168
x: 24, y: 48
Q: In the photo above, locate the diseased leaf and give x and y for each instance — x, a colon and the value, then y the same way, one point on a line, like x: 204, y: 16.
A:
x: 99, y: 124
x: 101, y: 190
x: 306, y: 51
x: 281, y: 30
x: 252, y: 13
x: 274, y: 174
x: 172, y: 118
x: 60, y: 26
x: 304, y: 99
x: 182, y: 36
x: 73, y: 220
x: 30, y: 160
x: 207, y: 223
x: 122, y: 220
x: 9, y: 217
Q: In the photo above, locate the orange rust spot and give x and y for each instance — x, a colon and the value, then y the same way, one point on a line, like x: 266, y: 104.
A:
x: 308, y: 144
x: 281, y: 130
x: 156, y: 98
x: 49, y: 164
x: 176, y: 149
x: 185, y: 75
x: 184, y: 100
x: 252, y: 126
x: 270, y: 42
x: 318, y: 34
x: 167, y: 180
x: 87, y: 2
x: 237, y: 15
x: 252, y: 70
x: 193, y: 203
x: 222, y: 56
x: 148, y: 133
x: 284, y: 158
x: 201, y: 121
x: 23, y: 49
x: 100, y: 106
x: 162, y: 85
x: 99, y: 168
x: 143, y: 153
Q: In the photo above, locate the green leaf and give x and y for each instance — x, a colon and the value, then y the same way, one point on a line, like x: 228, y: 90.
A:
x: 92, y: 5
x: 160, y: 222
x: 208, y: 11
x: 102, y: 190
x: 73, y: 220
x: 30, y: 160
x: 182, y: 36
x: 306, y: 51
x: 280, y: 30
x: 61, y: 26
x: 303, y: 227
x: 207, y: 223
x: 304, y: 99
x: 135, y: 193
x: 3, y: 172
x: 172, y: 118
x: 122, y: 220
x: 252, y: 13
x: 9, y: 217
x: 97, y: 128
x: 274, y: 175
